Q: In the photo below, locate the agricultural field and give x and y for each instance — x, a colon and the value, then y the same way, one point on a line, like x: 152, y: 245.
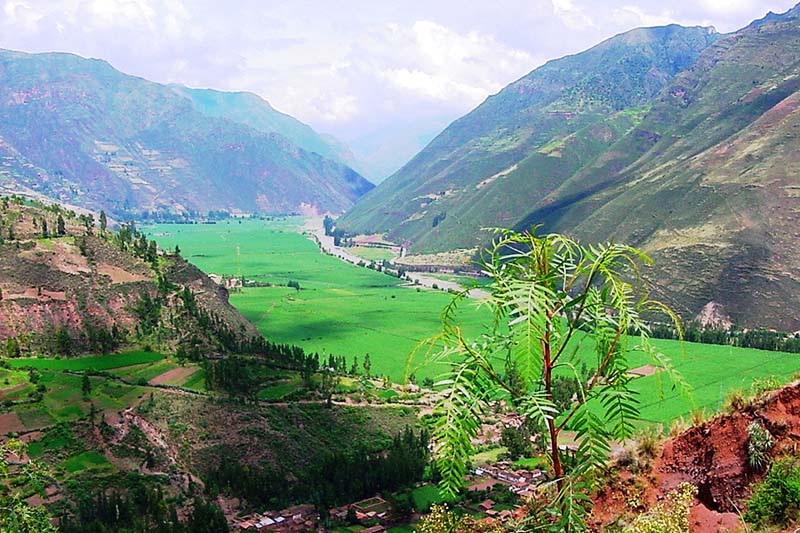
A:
x: 340, y: 308
x: 372, y: 254
x: 92, y: 363
x: 59, y: 386
x: 347, y: 310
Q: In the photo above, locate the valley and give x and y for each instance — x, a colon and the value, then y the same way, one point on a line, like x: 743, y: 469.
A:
x: 347, y: 310
x: 575, y: 309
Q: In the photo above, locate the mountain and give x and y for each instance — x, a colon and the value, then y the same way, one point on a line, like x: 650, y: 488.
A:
x: 252, y: 110
x: 85, y: 289
x: 708, y: 181
x: 703, y: 174
x: 81, y: 132
x: 488, y: 167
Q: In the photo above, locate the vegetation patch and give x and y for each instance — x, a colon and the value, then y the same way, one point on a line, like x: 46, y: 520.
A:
x: 91, y: 363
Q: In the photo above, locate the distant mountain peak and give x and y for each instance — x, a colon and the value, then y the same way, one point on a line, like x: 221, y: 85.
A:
x: 79, y: 131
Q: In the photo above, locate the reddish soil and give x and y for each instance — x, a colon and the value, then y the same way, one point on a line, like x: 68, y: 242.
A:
x: 176, y: 376
x: 119, y: 275
x: 644, y: 371
x: 712, y: 457
x: 10, y: 422
x: 4, y: 392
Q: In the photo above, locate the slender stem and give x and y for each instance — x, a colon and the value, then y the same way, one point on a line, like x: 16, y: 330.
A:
x: 593, y: 381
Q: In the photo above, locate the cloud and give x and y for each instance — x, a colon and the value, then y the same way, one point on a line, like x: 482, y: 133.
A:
x: 574, y: 17
x: 351, y: 67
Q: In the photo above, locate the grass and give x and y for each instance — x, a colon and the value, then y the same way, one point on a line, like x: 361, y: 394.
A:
x: 425, y: 496
x: 531, y: 463
x: 279, y: 391
x: 91, y: 363
x: 85, y: 461
x: 351, y: 311
x: 372, y: 254
x: 342, y: 309
x: 489, y: 456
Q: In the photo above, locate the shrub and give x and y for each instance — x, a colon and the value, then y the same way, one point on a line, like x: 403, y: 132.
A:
x: 759, y: 444
x: 670, y: 516
x: 776, y: 500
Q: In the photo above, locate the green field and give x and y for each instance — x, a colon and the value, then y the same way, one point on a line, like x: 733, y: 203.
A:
x: 341, y: 309
x: 93, y: 363
x: 372, y: 254
x: 347, y: 310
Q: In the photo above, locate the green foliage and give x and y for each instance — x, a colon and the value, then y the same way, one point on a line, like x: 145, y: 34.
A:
x: 441, y: 520
x: 92, y: 363
x: 759, y: 444
x: 776, y: 500
x: 16, y: 516
x: 670, y: 516
x: 545, y: 292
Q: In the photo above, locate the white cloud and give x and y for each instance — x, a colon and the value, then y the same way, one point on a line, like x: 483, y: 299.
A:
x: 727, y: 7
x: 353, y: 66
x: 574, y: 17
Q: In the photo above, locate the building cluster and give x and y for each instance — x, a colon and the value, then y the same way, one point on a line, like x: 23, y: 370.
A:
x: 370, y: 511
x: 293, y: 519
x: 523, y: 483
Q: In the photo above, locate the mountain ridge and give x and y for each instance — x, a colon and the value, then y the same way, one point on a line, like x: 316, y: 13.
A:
x: 702, y: 175
x: 546, y: 106
x: 79, y: 131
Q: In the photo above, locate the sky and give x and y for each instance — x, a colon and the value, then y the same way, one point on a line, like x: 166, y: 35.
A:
x: 357, y: 69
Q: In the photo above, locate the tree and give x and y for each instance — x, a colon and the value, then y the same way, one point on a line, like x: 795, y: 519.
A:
x: 61, y: 227
x: 103, y: 221
x: 86, y: 385
x: 45, y: 233
x: 12, y: 347
x: 549, y: 294
x: 516, y: 443
x: 367, y: 367
x: 328, y: 385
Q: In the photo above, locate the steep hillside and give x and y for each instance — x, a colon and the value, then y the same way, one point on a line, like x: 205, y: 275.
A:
x: 251, y: 110
x: 489, y: 167
x: 67, y: 286
x: 714, y: 456
x: 708, y: 181
x: 81, y: 132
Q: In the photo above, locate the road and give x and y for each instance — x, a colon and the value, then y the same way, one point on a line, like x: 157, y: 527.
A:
x: 315, y: 227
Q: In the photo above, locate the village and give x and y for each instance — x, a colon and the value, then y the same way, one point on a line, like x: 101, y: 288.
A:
x: 495, y: 492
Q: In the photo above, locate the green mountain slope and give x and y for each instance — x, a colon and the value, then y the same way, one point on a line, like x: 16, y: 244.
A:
x: 702, y: 174
x: 81, y: 132
x: 489, y: 167
x: 251, y: 110
x: 709, y: 181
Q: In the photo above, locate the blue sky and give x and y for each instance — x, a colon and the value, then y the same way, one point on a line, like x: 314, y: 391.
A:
x: 348, y: 67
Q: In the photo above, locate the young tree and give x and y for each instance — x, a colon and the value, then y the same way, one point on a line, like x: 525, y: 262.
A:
x: 103, y: 221
x: 61, y: 227
x: 328, y: 385
x: 549, y: 295
x: 15, y: 514
x: 86, y: 385
x: 367, y: 367
x: 45, y: 233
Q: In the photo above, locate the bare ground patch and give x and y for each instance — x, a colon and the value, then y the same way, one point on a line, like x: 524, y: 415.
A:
x: 10, y: 422
x: 119, y: 275
x: 176, y: 376
x: 644, y: 371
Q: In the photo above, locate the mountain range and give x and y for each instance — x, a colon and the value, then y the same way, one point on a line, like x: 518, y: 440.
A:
x: 78, y: 131
x: 678, y: 140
